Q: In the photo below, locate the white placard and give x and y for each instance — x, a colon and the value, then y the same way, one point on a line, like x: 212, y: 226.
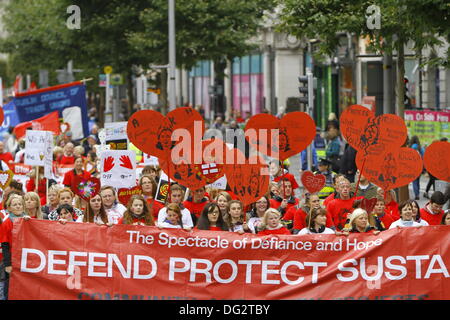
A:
x: 38, y: 147
x: 116, y: 131
x: 118, y: 168
x: 150, y: 160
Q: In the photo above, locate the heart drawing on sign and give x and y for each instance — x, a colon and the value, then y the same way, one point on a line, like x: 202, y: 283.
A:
x: 5, y: 178
x: 313, y: 182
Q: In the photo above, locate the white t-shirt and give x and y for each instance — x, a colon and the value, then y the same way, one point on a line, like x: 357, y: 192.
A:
x: 116, y: 212
x: 185, y: 217
x: 401, y: 223
x: 307, y: 231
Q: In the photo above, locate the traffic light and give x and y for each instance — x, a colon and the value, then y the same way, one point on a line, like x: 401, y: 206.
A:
x: 307, y: 89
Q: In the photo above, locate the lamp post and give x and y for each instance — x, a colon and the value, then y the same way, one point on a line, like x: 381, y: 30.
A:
x: 172, y: 57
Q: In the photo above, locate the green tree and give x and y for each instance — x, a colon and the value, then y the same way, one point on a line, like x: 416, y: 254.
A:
x: 419, y: 22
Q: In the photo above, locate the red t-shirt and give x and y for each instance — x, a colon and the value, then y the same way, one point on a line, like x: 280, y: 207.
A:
x: 386, y: 219
x: 300, y: 219
x: 156, y: 206
x: 6, y: 156
x: 290, y: 177
x: 339, y: 210
x: 431, y: 218
x: 288, y: 215
x: 328, y: 199
x: 69, y: 178
x: 195, y: 208
x: 392, y: 209
x: 42, y: 189
x: 281, y: 230
x: 6, y: 230
x: 66, y: 160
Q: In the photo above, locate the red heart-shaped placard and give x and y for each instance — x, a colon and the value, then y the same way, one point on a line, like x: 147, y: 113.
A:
x: 198, y: 166
x: 280, y: 138
x: 86, y: 189
x: 248, y: 180
x: 368, y: 204
x: 367, y: 133
x: 151, y: 132
x: 437, y: 160
x: 391, y: 169
x: 5, y: 178
x: 313, y: 182
x: 124, y: 194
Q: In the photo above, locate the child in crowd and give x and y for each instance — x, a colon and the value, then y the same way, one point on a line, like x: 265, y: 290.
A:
x: 236, y: 217
x: 137, y: 213
x: 66, y: 213
x: 173, y: 218
x: 272, y: 223
x: 379, y: 211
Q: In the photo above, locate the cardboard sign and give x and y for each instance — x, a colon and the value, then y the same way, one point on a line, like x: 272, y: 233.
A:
x: 151, y: 132
x: 370, y: 134
x: 280, y: 138
x: 124, y: 194
x: 437, y: 160
x: 313, y: 182
x: 116, y: 135
x: 150, y: 160
x: 391, y: 169
x: 38, y: 147
x: 118, y: 168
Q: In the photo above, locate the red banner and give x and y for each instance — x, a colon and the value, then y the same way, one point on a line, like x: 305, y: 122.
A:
x: 48, y: 122
x: 87, y: 261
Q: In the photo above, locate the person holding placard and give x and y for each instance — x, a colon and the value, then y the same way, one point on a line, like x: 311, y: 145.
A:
x: 69, y: 178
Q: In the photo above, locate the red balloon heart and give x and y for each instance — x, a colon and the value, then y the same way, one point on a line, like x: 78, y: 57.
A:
x: 86, y: 189
x: 368, y: 204
x: 124, y: 194
x: 437, y: 160
x: 295, y: 131
x: 151, y: 132
x: 391, y: 169
x: 248, y: 180
x: 370, y: 134
x: 313, y: 182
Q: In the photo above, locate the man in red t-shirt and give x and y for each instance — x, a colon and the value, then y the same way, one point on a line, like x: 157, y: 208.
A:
x: 342, y: 206
x: 5, y: 156
x: 432, y: 212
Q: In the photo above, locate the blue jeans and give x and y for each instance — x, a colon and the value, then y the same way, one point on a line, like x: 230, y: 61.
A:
x: 416, y: 186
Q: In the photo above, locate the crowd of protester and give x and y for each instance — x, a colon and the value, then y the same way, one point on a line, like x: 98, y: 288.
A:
x: 337, y: 209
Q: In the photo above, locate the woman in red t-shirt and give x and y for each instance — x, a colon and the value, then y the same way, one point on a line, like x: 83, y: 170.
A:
x: 69, y: 177
x: 272, y: 223
x: 211, y: 219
